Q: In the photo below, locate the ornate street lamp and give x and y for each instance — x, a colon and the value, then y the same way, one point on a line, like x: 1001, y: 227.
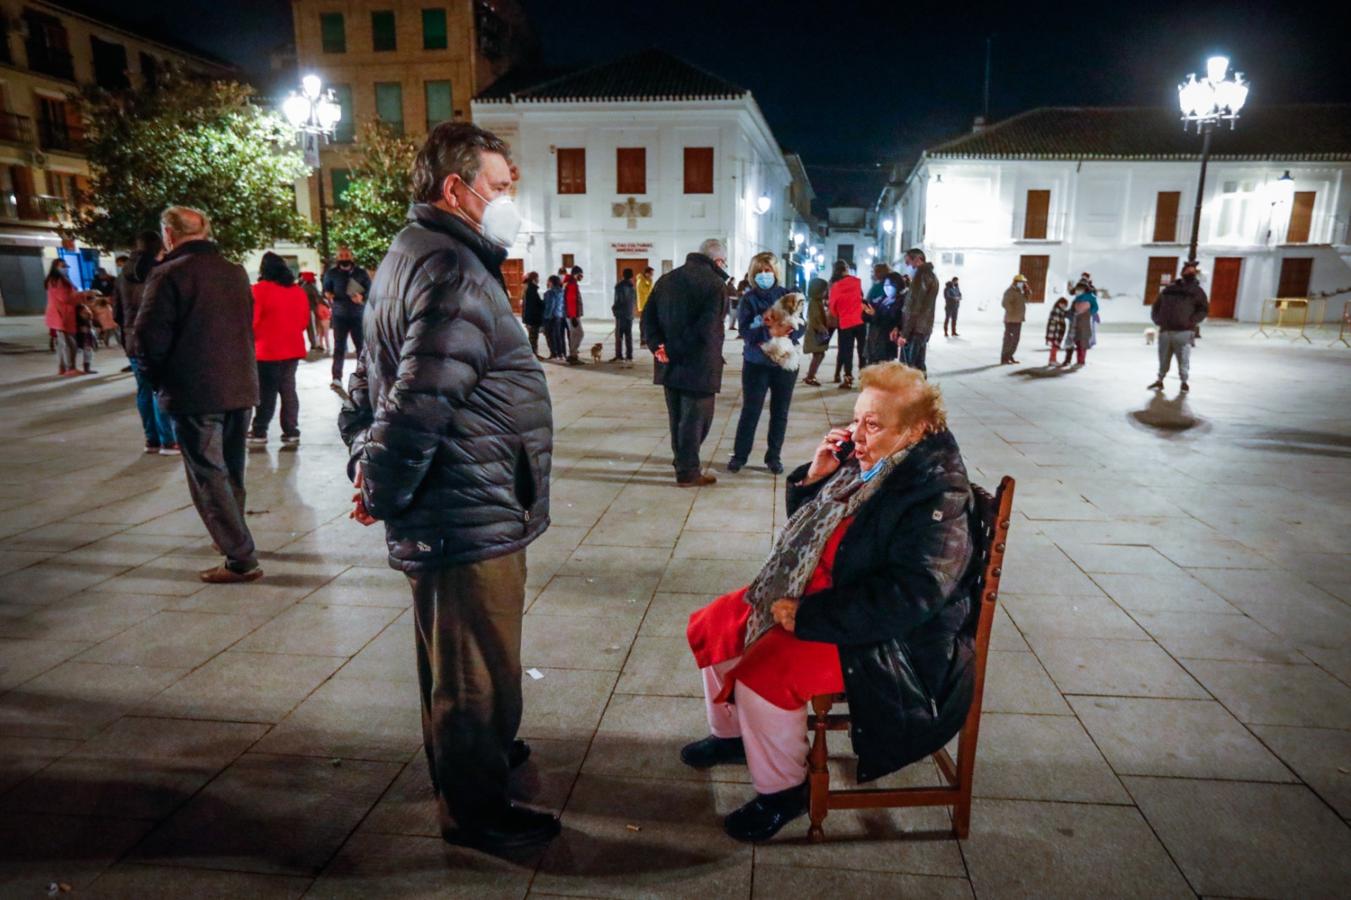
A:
x: 1207, y: 101
x: 315, y: 114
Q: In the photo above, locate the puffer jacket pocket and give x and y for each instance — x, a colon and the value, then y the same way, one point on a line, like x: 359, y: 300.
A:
x: 523, y: 481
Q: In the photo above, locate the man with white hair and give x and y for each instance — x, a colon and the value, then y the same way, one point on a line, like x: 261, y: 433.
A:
x: 683, y: 325
x: 194, y: 343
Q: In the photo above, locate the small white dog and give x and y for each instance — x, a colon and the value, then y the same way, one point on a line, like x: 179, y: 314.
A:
x: 781, y: 351
x: 1150, y: 334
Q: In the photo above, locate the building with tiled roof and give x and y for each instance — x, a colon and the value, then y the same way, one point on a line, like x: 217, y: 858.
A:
x: 1054, y: 192
x: 632, y: 162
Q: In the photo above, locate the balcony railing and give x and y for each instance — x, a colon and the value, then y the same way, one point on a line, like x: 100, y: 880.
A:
x: 60, y: 136
x: 31, y: 207
x: 15, y: 129
x: 51, y: 61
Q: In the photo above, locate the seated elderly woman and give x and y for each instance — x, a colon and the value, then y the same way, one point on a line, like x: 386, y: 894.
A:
x: 867, y: 591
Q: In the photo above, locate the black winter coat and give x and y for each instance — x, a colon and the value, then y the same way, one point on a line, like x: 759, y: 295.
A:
x: 127, y: 293
x: 1181, y: 306
x: 532, y: 305
x: 685, y: 312
x: 451, y: 424
x: 193, y: 337
x: 900, y: 607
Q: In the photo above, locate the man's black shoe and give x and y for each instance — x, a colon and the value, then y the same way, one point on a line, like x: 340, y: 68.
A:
x: 516, y: 826
x: 712, y: 751
x: 518, y: 754
x: 762, y: 818
x: 734, y: 465
x: 775, y: 466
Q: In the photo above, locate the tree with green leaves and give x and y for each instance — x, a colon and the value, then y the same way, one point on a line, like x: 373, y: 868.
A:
x: 208, y: 145
x: 375, y: 204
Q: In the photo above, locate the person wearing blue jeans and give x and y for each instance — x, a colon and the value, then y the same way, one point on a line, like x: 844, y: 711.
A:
x: 759, y: 374
x: 158, y: 426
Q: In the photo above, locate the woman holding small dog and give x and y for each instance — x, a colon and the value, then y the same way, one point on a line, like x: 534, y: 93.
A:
x: 761, y: 375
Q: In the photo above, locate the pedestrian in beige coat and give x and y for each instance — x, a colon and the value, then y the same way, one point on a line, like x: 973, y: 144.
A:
x: 1015, y: 311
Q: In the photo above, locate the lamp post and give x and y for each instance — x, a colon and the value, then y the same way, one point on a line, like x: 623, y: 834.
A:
x: 1207, y: 101
x: 314, y: 113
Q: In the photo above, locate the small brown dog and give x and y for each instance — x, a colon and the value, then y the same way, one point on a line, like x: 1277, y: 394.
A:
x: 597, y: 350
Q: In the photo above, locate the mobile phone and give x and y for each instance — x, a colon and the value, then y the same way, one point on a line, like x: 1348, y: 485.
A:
x: 846, y: 449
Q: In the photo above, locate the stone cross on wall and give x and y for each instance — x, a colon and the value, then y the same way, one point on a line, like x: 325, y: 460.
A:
x: 633, y: 210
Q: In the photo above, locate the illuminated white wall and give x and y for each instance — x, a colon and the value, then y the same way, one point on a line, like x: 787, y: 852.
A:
x: 968, y: 215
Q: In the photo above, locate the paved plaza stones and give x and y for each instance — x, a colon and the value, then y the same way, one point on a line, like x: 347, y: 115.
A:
x: 1168, y: 711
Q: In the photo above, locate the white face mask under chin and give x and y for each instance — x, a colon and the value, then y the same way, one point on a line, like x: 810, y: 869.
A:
x: 501, y: 220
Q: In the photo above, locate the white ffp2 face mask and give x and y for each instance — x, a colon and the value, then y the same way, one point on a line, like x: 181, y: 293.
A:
x: 501, y: 219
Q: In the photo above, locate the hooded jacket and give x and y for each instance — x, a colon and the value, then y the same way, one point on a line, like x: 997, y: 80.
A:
x: 918, y: 315
x: 816, y: 339
x: 127, y: 293
x: 1181, y: 306
x: 450, y: 424
x: 900, y: 607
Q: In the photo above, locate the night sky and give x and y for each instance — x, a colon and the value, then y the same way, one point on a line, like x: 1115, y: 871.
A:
x: 855, y: 87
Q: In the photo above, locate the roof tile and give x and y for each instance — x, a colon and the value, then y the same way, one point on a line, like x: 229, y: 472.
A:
x: 646, y: 75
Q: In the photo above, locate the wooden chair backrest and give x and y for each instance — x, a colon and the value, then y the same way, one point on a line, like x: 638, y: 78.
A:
x: 994, y: 514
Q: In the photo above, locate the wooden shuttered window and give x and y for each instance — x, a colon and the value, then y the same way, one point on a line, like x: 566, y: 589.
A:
x: 1165, y: 216
x: 631, y: 168
x: 698, y: 170
x: 572, y: 170
x: 1037, y: 217
x: 1301, y: 218
x: 1295, y: 275
x: 1034, y: 269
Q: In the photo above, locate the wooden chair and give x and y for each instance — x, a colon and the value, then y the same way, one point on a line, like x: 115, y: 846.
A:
x: 994, y: 515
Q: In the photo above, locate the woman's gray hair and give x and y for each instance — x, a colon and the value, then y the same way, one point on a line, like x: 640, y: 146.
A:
x: 185, y: 222
x: 452, y: 148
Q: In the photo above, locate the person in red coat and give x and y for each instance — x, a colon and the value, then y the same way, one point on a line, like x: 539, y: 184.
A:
x: 63, y: 301
x: 281, y: 313
x: 846, y: 304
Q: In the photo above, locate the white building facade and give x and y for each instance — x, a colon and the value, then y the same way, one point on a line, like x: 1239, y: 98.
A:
x: 1054, y: 193
x: 634, y: 163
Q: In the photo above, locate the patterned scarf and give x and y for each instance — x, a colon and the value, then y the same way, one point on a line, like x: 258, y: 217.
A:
x: 798, y: 550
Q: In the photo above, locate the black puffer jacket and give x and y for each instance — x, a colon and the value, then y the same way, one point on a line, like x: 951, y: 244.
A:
x: 451, y: 424
x: 685, y: 312
x: 1181, y: 306
x: 900, y: 607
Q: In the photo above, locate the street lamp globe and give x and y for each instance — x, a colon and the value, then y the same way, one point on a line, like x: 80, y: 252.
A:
x: 799, y: 238
x: 296, y: 109
x: 311, y: 85
x: 888, y: 225
x: 820, y: 259
x: 329, y: 112
x: 763, y: 203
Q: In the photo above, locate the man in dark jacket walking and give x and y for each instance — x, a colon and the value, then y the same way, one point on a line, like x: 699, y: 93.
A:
x: 345, y: 286
x: 451, y: 436
x: 625, y: 305
x: 128, y: 290
x: 683, y: 321
x: 917, y: 321
x: 193, y: 341
x: 1178, y: 311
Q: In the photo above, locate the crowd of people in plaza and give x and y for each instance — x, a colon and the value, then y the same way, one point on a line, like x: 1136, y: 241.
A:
x: 449, y: 426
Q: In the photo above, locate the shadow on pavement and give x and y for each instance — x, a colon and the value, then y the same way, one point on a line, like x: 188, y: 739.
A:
x: 1168, y: 418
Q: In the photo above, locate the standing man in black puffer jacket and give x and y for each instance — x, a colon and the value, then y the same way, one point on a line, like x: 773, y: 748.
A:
x: 451, y: 435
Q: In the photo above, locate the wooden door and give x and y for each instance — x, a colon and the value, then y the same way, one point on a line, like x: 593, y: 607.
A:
x: 1165, y: 216
x: 1161, y: 272
x: 1034, y: 269
x: 1295, y: 274
x: 1224, y: 287
x: 622, y: 263
x: 1036, y: 219
x: 513, y: 274
x: 1301, y: 218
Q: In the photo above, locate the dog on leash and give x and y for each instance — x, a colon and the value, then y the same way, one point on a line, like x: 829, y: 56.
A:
x: 1150, y: 335
x: 596, y: 351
